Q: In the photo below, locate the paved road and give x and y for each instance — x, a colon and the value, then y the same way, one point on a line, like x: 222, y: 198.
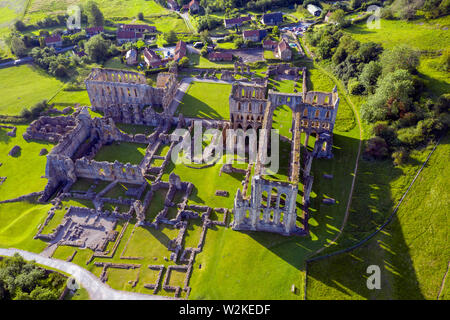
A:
x: 97, y: 290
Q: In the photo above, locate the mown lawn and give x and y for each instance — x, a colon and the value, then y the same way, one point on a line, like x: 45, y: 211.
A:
x: 206, y: 100
x: 24, y: 86
x: 412, y: 251
x: 123, y: 152
x: 198, y: 61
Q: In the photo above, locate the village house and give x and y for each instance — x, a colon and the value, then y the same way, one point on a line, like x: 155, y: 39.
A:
x: 54, y: 41
x: 180, y: 50
x: 270, y: 44
x: 152, y: 59
x: 254, y: 35
x: 128, y: 36
x: 314, y: 10
x: 220, y: 56
x: 90, y: 32
x: 138, y: 28
x: 131, y: 57
x: 192, y: 7
x: 284, y: 51
x: 231, y: 23
x: 272, y: 19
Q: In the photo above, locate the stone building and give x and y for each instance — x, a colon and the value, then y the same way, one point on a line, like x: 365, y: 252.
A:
x: 247, y: 105
x: 127, y: 97
x: 271, y: 205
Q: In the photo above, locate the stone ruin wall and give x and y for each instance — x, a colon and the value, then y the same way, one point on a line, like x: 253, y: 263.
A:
x: 127, y: 94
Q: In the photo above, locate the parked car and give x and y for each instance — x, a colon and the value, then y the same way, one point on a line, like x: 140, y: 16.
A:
x: 198, y: 45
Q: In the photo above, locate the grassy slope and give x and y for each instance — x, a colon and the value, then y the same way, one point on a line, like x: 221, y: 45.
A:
x: 206, y: 100
x: 24, y: 171
x: 24, y: 86
x: 419, y: 34
x: 412, y: 251
x: 39, y: 9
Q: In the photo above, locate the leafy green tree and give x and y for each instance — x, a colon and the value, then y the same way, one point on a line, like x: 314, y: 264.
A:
x: 400, y: 57
x: 140, y: 16
x: 392, y: 97
x: 18, y: 46
x: 97, y: 48
x: 171, y: 37
x: 369, y: 75
x: 95, y: 16
x: 338, y: 17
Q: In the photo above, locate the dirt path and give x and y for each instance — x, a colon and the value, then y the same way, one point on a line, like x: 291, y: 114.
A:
x: 97, y: 290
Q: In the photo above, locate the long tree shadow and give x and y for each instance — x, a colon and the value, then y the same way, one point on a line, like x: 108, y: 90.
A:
x: 373, y: 204
x: 190, y: 106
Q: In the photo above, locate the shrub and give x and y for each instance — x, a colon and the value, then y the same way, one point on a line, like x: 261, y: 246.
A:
x: 400, y: 156
x: 355, y: 87
x: 376, y: 148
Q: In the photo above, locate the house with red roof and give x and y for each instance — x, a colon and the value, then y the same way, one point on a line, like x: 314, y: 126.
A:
x: 152, y: 59
x: 269, y: 44
x: 230, y: 23
x: 94, y: 31
x: 54, y: 41
x: 180, y: 50
x: 128, y: 36
x: 220, y: 56
x: 254, y: 35
x: 284, y: 52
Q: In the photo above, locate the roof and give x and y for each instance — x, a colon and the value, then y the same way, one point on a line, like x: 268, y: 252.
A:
x: 131, y: 27
x: 192, y: 3
x: 221, y: 55
x: 180, y: 50
x: 94, y: 30
x: 283, y: 45
x: 251, y: 33
x: 53, y: 39
x: 270, y: 42
x: 151, y: 55
x: 162, y: 79
x: 131, y: 53
x: 126, y: 34
x: 237, y: 20
x: 276, y: 16
x: 173, y: 3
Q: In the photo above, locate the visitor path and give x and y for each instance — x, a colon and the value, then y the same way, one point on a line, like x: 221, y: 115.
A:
x: 96, y: 289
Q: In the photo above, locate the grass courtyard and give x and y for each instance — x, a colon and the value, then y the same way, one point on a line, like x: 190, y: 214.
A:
x: 125, y: 152
x: 24, y: 86
x: 206, y: 100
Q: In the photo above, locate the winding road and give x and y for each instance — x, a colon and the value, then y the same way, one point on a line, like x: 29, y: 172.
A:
x: 96, y: 289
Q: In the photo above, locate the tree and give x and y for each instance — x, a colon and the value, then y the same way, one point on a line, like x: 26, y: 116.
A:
x: 18, y: 46
x: 184, y: 62
x: 95, y: 16
x: 140, y: 16
x: 97, y: 48
x: 369, y: 75
x: 400, y: 57
x: 171, y: 37
x: 392, y: 98
x: 338, y: 17
x: 275, y: 31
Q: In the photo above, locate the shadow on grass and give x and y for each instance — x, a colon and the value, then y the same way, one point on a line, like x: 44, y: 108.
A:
x: 193, y: 107
x: 372, y: 205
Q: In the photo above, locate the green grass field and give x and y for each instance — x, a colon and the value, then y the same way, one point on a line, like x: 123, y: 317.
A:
x: 24, y: 86
x: 39, y: 9
x: 24, y: 171
x: 200, y: 102
x: 412, y: 251
x: 419, y: 34
x: 198, y: 61
x: 123, y: 152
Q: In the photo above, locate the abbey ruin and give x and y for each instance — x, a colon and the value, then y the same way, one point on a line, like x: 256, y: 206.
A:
x: 123, y: 97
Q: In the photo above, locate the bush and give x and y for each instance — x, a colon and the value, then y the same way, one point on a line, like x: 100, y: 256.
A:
x: 355, y: 87
x: 400, y: 156
x: 376, y: 148
x: 140, y: 16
